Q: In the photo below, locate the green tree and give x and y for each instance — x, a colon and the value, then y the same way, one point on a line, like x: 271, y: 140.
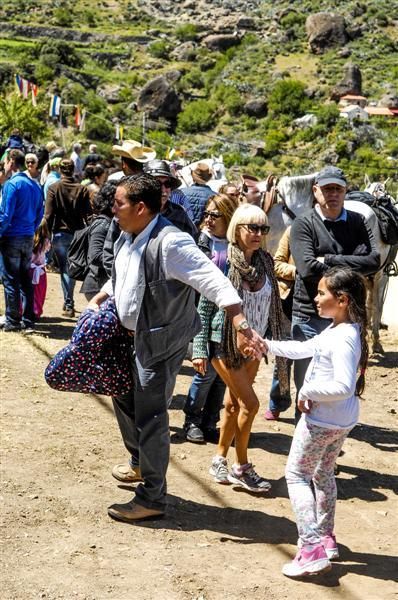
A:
x: 288, y: 98
x: 199, y: 115
x: 16, y: 112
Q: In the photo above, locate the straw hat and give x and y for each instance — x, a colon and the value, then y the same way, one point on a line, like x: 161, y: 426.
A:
x: 134, y: 150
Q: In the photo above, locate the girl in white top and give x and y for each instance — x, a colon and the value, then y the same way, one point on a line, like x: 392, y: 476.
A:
x: 330, y: 406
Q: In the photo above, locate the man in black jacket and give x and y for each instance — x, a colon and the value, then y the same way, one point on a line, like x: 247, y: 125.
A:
x: 327, y: 236
x: 67, y: 209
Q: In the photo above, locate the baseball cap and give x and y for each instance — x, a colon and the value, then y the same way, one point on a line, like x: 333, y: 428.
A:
x: 331, y: 175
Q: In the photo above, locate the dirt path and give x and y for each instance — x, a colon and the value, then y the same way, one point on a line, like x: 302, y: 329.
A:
x: 216, y: 543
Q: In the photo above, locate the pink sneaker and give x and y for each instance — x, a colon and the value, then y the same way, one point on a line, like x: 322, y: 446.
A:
x: 271, y: 415
x: 330, y: 545
x: 309, y: 560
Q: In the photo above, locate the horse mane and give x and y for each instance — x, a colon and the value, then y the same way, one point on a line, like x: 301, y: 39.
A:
x: 297, y: 188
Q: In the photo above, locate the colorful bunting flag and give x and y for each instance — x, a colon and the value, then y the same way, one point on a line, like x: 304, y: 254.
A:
x: 55, y: 106
x: 25, y: 86
x: 82, y: 120
x: 78, y: 117
x: 34, y: 90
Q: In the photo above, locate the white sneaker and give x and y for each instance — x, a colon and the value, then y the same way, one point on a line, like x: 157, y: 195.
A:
x: 219, y: 470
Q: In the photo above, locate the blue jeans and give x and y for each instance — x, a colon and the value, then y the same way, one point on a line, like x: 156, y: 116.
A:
x: 61, y: 242
x: 304, y: 328
x: 16, y: 257
x: 205, y: 399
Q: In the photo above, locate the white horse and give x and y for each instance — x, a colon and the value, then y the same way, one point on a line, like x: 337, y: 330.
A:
x: 217, y: 167
x: 294, y: 196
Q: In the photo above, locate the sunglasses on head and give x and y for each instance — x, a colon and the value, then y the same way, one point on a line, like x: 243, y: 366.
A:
x: 263, y: 229
x: 211, y: 215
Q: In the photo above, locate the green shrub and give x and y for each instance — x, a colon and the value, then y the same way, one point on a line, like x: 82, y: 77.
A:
x: 328, y: 114
x: 288, y: 98
x: 44, y: 73
x: 199, y: 115
x: 160, y: 141
x: 55, y: 52
x: 186, y: 32
x: 17, y: 112
x: 99, y: 129
x: 63, y: 17
x: 159, y: 49
x: 291, y: 19
x: 273, y: 141
x: 193, y: 78
x: 89, y: 17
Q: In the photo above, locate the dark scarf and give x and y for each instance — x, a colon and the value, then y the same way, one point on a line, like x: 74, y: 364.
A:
x: 261, y: 265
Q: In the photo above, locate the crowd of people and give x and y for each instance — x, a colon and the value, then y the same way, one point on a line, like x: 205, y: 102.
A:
x: 192, y: 266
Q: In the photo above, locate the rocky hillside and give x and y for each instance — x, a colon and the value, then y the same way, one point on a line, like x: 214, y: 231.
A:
x: 225, y: 76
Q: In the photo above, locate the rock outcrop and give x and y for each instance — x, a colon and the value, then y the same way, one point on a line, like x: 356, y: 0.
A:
x: 221, y: 41
x: 256, y: 108
x: 159, y: 99
x: 325, y: 30
x: 350, y: 84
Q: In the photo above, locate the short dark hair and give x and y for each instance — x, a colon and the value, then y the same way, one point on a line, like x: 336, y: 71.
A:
x: 143, y: 188
x: 103, y: 200
x: 94, y: 170
x: 18, y: 157
x: 134, y: 165
x: 67, y: 166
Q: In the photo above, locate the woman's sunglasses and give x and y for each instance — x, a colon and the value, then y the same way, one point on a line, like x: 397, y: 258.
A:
x: 263, y: 229
x: 211, y: 215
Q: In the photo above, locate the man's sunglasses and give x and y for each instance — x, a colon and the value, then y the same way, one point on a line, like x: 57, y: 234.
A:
x: 211, y: 215
x: 167, y: 184
x: 263, y: 229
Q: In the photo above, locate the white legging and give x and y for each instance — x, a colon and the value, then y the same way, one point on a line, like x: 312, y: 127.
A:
x: 311, y: 459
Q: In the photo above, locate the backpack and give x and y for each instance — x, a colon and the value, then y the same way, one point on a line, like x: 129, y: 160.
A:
x: 385, y: 211
x: 76, y: 260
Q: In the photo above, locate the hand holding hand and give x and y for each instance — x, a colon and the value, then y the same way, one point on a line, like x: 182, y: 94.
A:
x: 250, y: 343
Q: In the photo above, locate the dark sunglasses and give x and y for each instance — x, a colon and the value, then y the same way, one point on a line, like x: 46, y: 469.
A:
x: 263, y: 229
x: 167, y: 184
x: 211, y: 215
x: 30, y: 162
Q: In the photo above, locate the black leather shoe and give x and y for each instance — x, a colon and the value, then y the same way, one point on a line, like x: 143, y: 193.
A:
x: 194, y: 434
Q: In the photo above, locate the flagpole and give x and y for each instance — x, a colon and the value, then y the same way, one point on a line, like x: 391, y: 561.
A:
x: 60, y: 126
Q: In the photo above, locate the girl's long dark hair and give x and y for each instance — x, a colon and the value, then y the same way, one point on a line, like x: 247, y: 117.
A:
x: 346, y: 281
x: 41, y: 234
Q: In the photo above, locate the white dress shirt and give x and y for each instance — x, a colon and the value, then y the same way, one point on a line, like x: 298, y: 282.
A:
x: 182, y: 260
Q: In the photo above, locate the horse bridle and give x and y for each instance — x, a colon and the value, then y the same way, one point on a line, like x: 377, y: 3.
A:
x: 272, y: 195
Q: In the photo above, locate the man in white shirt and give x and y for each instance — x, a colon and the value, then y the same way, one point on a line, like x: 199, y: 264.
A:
x: 156, y: 269
x: 75, y: 156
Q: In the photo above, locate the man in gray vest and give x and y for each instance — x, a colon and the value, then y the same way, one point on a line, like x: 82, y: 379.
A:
x: 156, y: 269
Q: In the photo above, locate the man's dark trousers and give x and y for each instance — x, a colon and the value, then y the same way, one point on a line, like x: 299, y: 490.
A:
x: 144, y: 424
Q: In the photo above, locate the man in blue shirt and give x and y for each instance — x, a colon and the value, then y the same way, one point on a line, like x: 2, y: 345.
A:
x: 21, y: 210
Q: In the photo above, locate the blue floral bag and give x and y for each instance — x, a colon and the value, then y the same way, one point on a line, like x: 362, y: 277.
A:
x: 97, y: 357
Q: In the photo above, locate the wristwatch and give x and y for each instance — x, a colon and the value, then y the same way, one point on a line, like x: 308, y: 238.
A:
x: 242, y: 326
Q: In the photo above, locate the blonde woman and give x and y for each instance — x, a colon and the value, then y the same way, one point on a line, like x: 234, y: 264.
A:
x: 251, y: 271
